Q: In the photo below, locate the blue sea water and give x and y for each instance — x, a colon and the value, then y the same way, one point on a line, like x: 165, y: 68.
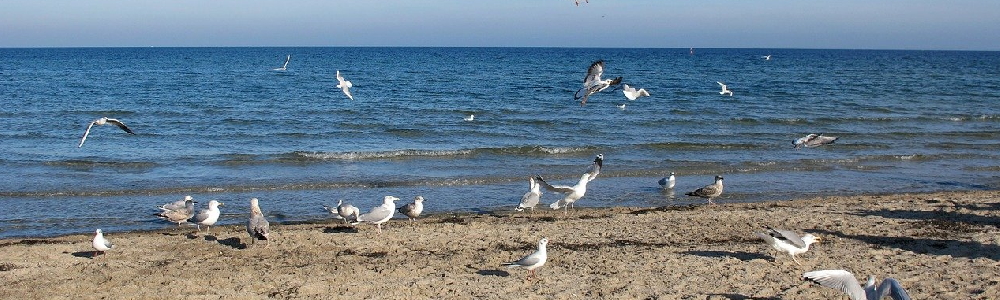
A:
x: 219, y: 123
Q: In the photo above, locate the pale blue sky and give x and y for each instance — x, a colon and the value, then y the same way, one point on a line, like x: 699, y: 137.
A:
x: 853, y: 24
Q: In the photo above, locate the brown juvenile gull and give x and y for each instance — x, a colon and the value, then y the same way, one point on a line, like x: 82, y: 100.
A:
x: 593, y: 84
x: 533, y: 261
x: 208, y: 216
x: 845, y: 282
x: 413, y: 210
x: 530, y: 199
x: 257, y: 225
x: 709, y: 191
x: 788, y: 241
x: 179, y: 216
x: 573, y: 193
x: 103, y: 121
x: 100, y: 243
x: 814, y: 140
x: 380, y: 214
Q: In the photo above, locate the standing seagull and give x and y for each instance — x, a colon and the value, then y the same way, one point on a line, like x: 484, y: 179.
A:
x: 257, y: 225
x: 788, y: 241
x: 530, y: 199
x: 631, y: 93
x: 533, y: 261
x: 344, y: 85
x: 668, y: 182
x: 209, y: 216
x: 380, y: 214
x: 725, y: 90
x: 103, y: 121
x: 179, y: 216
x: 845, y: 282
x: 577, y: 191
x: 100, y: 244
x: 345, y: 211
x: 709, y: 191
x: 593, y: 83
x: 814, y: 140
x: 413, y: 210
x: 285, y: 66
x: 179, y: 204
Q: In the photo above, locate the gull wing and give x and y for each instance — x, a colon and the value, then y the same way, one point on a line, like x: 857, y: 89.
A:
x: 839, y: 280
x: 286, y: 62
x: 557, y: 188
x: 706, y: 191
x: 86, y: 133
x: 530, y: 260
x: 377, y: 213
x: 120, y: 125
x: 594, y: 73
x: 787, y: 235
x: 258, y: 227
x: 890, y: 287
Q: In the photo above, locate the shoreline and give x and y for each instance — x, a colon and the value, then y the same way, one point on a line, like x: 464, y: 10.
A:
x: 938, y: 245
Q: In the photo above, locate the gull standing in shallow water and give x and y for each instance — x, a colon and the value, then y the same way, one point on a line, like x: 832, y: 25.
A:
x: 845, y: 282
x: 533, y: 261
x: 181, y: 215
x: 344, y: 85
x: 208, y: 216
x: 725, y: 89
x: 788, y: 241
x: 592, y: 83
x: 100, y: 243
x: 413, y: 210
x: 257, y: 225
x: 668, y: 182
x: 103, y: 121
x: 285, y: 66
x: 631, y: 93
x: 380, y: 214
x: 709, y: 191
x: 814, y: 140
x: 530, y: 199
x: 176, y: 205
x: 577, y: 191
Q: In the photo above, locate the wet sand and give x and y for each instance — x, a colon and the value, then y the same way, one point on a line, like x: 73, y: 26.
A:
x: 938, y: 245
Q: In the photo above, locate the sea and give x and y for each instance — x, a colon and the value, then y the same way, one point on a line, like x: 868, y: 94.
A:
x: 221, y: 123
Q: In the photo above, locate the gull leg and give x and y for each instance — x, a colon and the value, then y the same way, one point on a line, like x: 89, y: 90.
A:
x: 795, y: 260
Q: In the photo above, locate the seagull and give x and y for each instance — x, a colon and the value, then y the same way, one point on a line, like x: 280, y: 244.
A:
x: 788, y: 241
x: 100, y: 243
x: 471, y: 117
x: 209, y: 216
x: 631, y: 93
x: 530, y: 199
x: 380, y: 214
x: 257, y: 225
x: 767, y: 57
x: 709, y: 191
x: 578, y: 2
x: 845, y: 282
x: 668, y: 182
x: 414, y: 209
x: 176, y: 205
x: 593, y: 83
x: 814, y: 140
x: 345, y: 211
x: 181, y: 215
x: 344, y: 85
x: 725, y: 90
x: 621, y: 107
x: 577, y: 191
x: 103, y: 121
x: 285, y: 66
x: 533, y: 261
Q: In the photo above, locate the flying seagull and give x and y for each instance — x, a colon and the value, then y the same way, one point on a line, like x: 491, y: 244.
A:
x: 577, y: 191
x: 725, y: 90
x: 413, y: 210
x: 103, y: 121
x: 100, y: 243
x: 530, y: 199
x: 380, y: 214
x: 578, y: 2
x: 533, y: 261
x: 709, y: 191
x: 631, y: 93
x: 285, y: 66
x: 471, y: 117
x: 208, y: 216
x: 257, y: 225
x: 344, y: 85
x: 814, y: 140
x: 621, y: 107
x: 668, y: 182
x: 788, y: 241
x: 592, y: 83
x: 767, y: 57
x: 845, y: 282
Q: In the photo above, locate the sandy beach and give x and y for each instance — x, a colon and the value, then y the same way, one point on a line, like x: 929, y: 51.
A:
x: 938, y: 245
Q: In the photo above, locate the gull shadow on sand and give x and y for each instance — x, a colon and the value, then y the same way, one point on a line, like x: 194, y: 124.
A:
x: 340, y: 229
x: 84, y: 254
x: 741, y: 255
x: 741, y: 297
x: 233, y: 242
x: 500, y: 273
x: 929, y: 246
x: 940, y: 216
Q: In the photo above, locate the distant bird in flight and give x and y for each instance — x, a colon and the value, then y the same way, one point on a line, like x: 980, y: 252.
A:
x: 470, y: 118
x: 103, y: 121
x: 725, y: 89
x: 593, y: 84
x: 767, y: 57
x: 344, y: 85
x: 621, y: 107
x: 814, y: 140
x: 631, y: 93
x: 578, y: 2
x: 285, y: 66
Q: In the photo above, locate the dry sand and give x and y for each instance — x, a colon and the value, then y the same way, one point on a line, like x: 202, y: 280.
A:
x: 939, y: 245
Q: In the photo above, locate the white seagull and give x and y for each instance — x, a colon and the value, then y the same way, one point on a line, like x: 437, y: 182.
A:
x: 530, y: 199
x: 725, y: 90
x: 380, y: 214
x: 471, y: 117
x: 344, y: 85
x: 668, y: 182
x: 788, y: 241
x: 577, y: 191
x: 208, y: 216
x: 413, y: 210
x: 257, y: 225
x: 709, y: 191
x: 345, y: 211
x: 631, y: 93
x: 845, y: 282
x: 103, y: 121
x: 767, y: 57
x: 100, y: 243
x: 621, y: 107
x: 592, y: 83
x: 533, y: 261
x: 814, y: 140
x: 285, y: 66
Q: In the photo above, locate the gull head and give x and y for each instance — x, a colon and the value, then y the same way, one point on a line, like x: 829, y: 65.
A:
x: 389, y: 199
x: 811, y: 239
x: 543, y: 242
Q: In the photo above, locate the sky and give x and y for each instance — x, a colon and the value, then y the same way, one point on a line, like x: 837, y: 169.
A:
x: 846, y: 24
